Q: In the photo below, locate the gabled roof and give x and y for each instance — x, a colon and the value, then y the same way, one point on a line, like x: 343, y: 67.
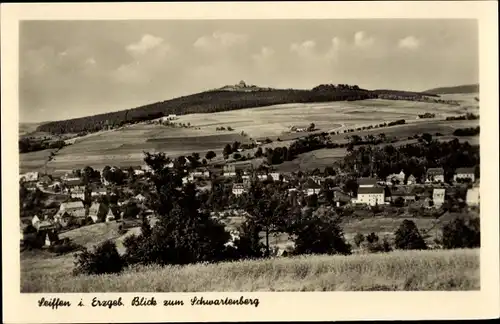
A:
x: 311, y: 184
x: 367, y: 181
x: 465, y: 170
x: 435, y: 171
x: 370, y: 190
x: 72, y: 205
x: 73, y: 182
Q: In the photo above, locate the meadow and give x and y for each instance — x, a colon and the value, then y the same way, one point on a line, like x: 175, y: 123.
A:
x: 124, y: 146
x: 398, y: 270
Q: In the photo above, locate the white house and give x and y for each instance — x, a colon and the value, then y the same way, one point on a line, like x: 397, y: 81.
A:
x: 464, y: 173
x: 275, y: 176
x: 98, y: 191
x: 472, y: 197
x: 138, y: 170
x: 229, y: 171
x: 438, y: 196
x: 370, y: 196
x: 435, y: 175
x: 238, y: 189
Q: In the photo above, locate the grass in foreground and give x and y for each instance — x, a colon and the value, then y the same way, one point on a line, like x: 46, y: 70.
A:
x: 399, y: 270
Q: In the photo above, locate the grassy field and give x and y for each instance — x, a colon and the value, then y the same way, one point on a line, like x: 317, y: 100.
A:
x: 399, y: 270
x: 124, y: 146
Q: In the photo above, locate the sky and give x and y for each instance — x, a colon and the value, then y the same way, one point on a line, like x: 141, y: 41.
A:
x: 70, y: 69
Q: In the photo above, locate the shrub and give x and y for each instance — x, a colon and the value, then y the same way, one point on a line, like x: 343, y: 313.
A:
x: 320, y: 235
x: 103, y: 259
x: 460, y: 234
x: 407, y: 237
x: 372, y: 238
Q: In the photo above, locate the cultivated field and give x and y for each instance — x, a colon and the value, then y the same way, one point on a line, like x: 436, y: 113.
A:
x: 124, y: 146
x: 399, y: 270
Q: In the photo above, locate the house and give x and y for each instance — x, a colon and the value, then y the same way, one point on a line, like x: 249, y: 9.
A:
x: 435, y: 175
x: 238, y: 189
x: 95, y: 211
x: 472, y: 197
x: 229, y: 170
x: 275, y: 175
x: 438, y: 196
x: 34, y: 221
x: 29, y: 177
x: 110, y: 216
x: 370, y: 196
x: 262, y: 176
x: 201, y: 173
x: 407, y: 196
x: 98, y: 191
x: 464, y: 173
x: 340, y: 198
x: 411, y: 180
x: 367, y: 182
x: 396, y: 177
x: 138, y: 170
x: 140, y: 198
x: 187, y: 179
x: 78, y: 192
x: 311, y: 187
x: 45, y: 180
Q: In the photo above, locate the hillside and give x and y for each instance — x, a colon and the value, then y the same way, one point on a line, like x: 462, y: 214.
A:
x: 466, y: 88
x: 403, y: 93
x: 204, y: 102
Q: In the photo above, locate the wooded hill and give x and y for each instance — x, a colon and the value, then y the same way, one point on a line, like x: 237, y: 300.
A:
x: 466, y: 88
x: 213, y: 101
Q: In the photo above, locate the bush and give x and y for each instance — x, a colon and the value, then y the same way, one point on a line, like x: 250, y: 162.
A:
x: 408, y: 237
x: 358, y: 239
x: 103, y: 259
x: 320, y: 235
x: 460, y: 234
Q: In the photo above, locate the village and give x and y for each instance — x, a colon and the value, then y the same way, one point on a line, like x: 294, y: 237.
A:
x: 101, y: 199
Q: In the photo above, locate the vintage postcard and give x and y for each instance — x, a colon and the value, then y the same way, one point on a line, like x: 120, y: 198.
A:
x: 249, y: 161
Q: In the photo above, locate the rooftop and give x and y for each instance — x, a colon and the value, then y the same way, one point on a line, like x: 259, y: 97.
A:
x: 435, y: 171
x: 370, y: 190
x: 465, y: 170
x: 367, y: 181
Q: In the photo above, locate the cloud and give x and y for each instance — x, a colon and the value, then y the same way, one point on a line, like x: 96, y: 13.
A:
x: 145, y: 44
x: 410, y: 42
x: 362, y: 40
x: 264, y: 54
x: 334, y: 48
x: 220, y: 40
x: 306, y: 48
x: 151, y: 56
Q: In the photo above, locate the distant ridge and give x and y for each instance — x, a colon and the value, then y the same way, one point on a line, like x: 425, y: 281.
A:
x: 229, y: 97
x: 466, y: 88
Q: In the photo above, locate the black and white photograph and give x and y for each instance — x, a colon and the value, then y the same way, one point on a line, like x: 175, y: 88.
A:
x: 249, y: 155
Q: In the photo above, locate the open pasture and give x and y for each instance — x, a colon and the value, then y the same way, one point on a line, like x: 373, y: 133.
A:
x: 125, y: 146
x: 275, y: 121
